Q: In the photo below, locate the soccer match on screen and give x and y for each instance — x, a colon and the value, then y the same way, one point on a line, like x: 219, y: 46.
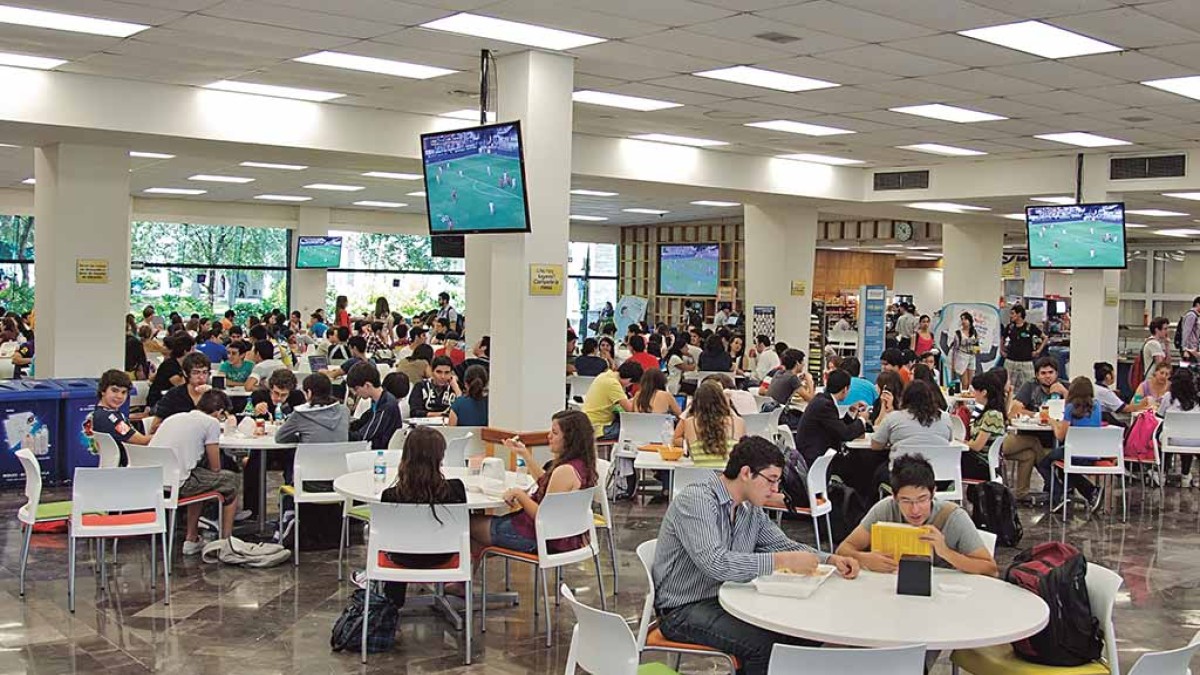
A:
x: 473, y: 180
x: 1082, y: 235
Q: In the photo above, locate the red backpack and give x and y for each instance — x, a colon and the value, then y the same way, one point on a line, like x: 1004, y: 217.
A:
x: 1058, y: 573
x: 1139, y: 440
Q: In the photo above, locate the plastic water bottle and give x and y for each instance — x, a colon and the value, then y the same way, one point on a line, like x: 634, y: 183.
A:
x: 667, y: 434
x: 521, y: 468
x: 279, y: 414
x: 380, y: 471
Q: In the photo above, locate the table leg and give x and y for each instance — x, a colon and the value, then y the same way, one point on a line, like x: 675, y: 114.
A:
x: 262, y: 491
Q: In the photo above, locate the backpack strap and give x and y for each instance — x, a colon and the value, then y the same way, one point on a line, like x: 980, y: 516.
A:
x: 943, y: 515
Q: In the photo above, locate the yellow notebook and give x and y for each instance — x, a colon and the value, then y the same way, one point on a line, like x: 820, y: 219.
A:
x: 898, y: 539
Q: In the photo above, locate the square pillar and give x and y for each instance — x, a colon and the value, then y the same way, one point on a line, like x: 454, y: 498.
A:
x: 973, y: 263
x: 307, y: 292
x: 1093, y: 321
x: 781, y: 247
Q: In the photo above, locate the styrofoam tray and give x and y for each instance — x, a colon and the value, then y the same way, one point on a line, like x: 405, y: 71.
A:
x: 793, y: 585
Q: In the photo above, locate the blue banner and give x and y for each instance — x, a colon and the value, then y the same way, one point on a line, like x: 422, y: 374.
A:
x: 872, y: 328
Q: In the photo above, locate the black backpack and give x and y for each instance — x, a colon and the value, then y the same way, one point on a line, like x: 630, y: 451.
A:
x: 1178, y: 337
x: 794, y: 482
x: 1058, y: 573
x: 848, y: 510
x: 994, y: 509
x: 381, y: 624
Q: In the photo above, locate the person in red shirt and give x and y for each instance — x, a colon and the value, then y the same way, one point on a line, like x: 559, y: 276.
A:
x: 450, y: 348
x: 637, y: 347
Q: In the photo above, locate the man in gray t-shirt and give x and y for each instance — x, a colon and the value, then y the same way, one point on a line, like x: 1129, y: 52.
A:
x: 792, y: 378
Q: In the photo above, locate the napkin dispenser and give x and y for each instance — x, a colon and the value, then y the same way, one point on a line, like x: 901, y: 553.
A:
x: 493, y: 467
x: 915, y: 576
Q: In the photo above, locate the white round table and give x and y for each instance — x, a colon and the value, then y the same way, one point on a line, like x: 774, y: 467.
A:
x: 256, y: 445
x: 867, y: 612
x: 864, y: 443
x: 360, y: 486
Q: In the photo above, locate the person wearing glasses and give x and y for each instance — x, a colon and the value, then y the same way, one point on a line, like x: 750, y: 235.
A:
x: 184, y: 398
x: 949, y: 531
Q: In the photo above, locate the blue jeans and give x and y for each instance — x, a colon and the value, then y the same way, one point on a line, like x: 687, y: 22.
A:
x: 1082, y: 485
x: 505, y: 535
x: 612, y: 431
x: 706, y: 623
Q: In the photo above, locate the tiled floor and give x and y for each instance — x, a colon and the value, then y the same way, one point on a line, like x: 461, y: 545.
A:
x: 278, y: 620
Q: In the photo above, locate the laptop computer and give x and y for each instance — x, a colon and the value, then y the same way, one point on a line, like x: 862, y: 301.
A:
x: 318, y: 363
x: 217, y: 382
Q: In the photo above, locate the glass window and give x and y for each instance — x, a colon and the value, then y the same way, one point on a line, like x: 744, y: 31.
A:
x: 593, y: 271
x: 1176, y: 271
x: 16, y: 263
x: 1133, y: 278
x: 216, y: 245
x: 399, y: 267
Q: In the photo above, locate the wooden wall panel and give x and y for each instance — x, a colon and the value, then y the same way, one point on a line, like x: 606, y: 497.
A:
x: 835, y: 271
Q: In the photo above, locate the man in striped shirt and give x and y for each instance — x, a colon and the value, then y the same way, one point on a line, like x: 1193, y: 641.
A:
x: 715, y: 532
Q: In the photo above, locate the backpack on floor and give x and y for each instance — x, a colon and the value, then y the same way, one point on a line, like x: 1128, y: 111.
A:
x: 994, y: 509
x: 381, y: 625
x: 1139, y: 439
x: 1058, y: 573
x: 320, y: 528
x: 848, y: 510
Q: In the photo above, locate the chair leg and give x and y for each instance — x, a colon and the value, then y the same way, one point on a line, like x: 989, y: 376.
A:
x: 536, y: 590
x: 468, y: 625
x: 171, y: 517
x: 365, y: 623
x: 558, y: 584
x: 71, y: 573
x: 546, y: 599
x: 483, y: 592
x: 600, y: 582
x: 342, y: 546
x: 507, y: 581
x: 153, y: 565
x: 612, y: 554
x: 166, y: 572
x: 817, y: 531
x: 829, y: 531
x: 296, y: 543
x: 675, y: 659
x: 25, y: 555
x: 104, y: 564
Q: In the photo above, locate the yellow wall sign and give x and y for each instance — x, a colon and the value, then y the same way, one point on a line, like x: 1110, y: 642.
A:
x: 799, y: 287
x: 545, y: 279
x: 91, y: 271
x: 726, y: 293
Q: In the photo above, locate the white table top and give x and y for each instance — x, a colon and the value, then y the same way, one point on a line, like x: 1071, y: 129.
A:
x: 240, y: 442
x: 360, y: 486
x: 867, y: 612
x: 1027, y: 424
x: 864, y: 443
x: 652, y: 461
x: 426, y: 421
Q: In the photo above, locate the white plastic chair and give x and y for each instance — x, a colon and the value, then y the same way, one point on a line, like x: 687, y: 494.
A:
x: 396, y: 442
x: 415, y: 529
x: 641, y: 429
x: 361, y: 408
x: 1170, y: 662
x: 107, y: 448
x: 1056, y: 407
x: 173, y: 477
x: 601, y: 642
x: 578, y: 385
x: 363, y: 460
x: 819, y: 504
x: 316, y: 462
x: 765, y: 425
x: 604, y: 519
x: 649, y: 637
x: 561, y: 515
x: 456, y: 452
x: 1180, y: 427
x: 474, y: 436
x: 989, y: 541
x: 1102, y: 443
x: 35, y: 511
x: 957, y: 428
x: 688, y: 475
x: 946, y: 461
x: 789, y: 659
x: 135, y: 492
x: 995, y: 454
x: 137, y: 395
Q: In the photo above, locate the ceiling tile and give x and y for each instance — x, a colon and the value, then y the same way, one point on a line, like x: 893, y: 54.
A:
x: 646, y: 90
x: 626, y: 72
x: 181, y: 53
x: 987, y: 82
x: 891, y: 61
x: 434, y: 40
x: 1066, y: 101
x: 1184, y: 55
x: 665, y: 12
x: 1036, y: 9
x: 54, y: 43
x: 707, y: 46
x: 961, y: 50
x: 947, y: 15
x: 744, y: 27
x: 178, y: 5
x: 1130, y: 66
x: 384, y: 50
x: 153, y: 70
x: 1057, y: 75
x: 1127, y: 27
x: 709, y: 86
x: 1077, y: 121
x: 927, y: 90
x: 1133, y: 95
x: 748, y: 5
x: 269, y: 14
x: 107, y: 9
x: 842, y: 99
x: 652, y: 55
x: 384, y: 11
x: 574, y: 18
x: 1185, y: 13
x: 208, y: 25
x: 824, y: 15
x: 829, y: 71
x: 223, y: 43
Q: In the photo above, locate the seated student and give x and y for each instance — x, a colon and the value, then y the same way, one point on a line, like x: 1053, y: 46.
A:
x: 1046, y: 385
x: 471, y: 409
x: 400, y: 386
x: 821, y: 427
x: 417, y: 336
x: 317, y: 325
x: 383, y: 419
x: 416, y: 364
x: 336, y: 349
x: 639, y: 355
x: 607, y: 391
x: 451, y: 349
x: 481, y: 356
x: 237, y: 368
x: 320, y: 419
x: 1110, y: 401
x: 711, y: 427
x: 923, y: 372
x: 195, y: 437
x: 653, y: 397
x: 22, y: 358
x: 170, y: 372
x: 742, y: 401
x: 789, y: 380
x: 715, y: 356
x: 432, y: 397
x: 895, y: 360
x: 358, y: 354
x: 185, y: 397
x: 955, y: 541
x: 1080, y: 410
x: 861, y: 389
x: 265, y: 363
x: 573, y: 467
x: 891, y: 389
x: 717, y: 531
x: 766, y: 358
x: 278, y: 398
x: 918, y: 421
x: 209, y: 344
x: 1181, y: 397
x: 107, y: 418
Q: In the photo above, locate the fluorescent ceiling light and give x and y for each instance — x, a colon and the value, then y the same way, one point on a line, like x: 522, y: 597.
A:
x: 593, y: 193
x: 1178, y: 232
x: 334, y: 187
x: 650, y: 212
x: 30, y: 181
x: 821, y: 159
x: 948, y: 207
x: 939, y: 149
x: 8, y: 145
x: 799, y: 128
x: 1155, y: 213
x: 588, y: 219
x: 468, y: 114
x: 269, y: 165
x: 418, y: 193
x: 24, y: 61
x: 1194, y: 196
x: 769, y: 79
x: 220, y: 179
x: 622, y: 101
x: 174, y: 191
x: 1082, y: 139
x: 678, y: 140
x: 1014, y: 216
x: 1135, y: 226
x: 273, y: 90
x: 370, y: 64
x: 1042, y: 39
x: 68, y: 22
x: 1184, y: 86
x: 393, y: 176
x: 283, y: 198
x: 382, y: 205
x: 1061, y: 201
x: 950, y: 113
x: 516, y: 32
x: 839, y: 248
x: 885, y: 252
x: 710, y: 202
x: 916, y: 248
x: 150, y: 155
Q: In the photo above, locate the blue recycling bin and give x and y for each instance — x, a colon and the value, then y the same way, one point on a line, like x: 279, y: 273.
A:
x: 79, y: 399
x: 29, y: 418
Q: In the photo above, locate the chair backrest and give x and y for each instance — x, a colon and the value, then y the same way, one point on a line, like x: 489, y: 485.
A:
x: 474, y: 436
x: 456, y: 451
x: 419, y: 529
x: 107, y: 448
x: 957, y: 428
x: 818, y: 483
x: 361, y: 408
x: 322, y: 461
x: 565, y: 514
x: 946, y: 461
x: 33, y: 483
x: 150, y: 455
x: 364, y: 460
x: 137, y: 395
x: 603, y: 476
x: 1171, y: 662
x: 396, y: 442
x: 760, y: 401
x: 579, y: 385
x: 1102, y: 585
x: 994, y: 452
x: 688, y: 475
x: 645, y: 553
x: 1098, y: 442
x: 989, y: 541
x: 1181, y: 426
x: 642, y: 428
x: 765, y: 425
x: 784, y: 432
x: 788, y: 659
x: 601, y: 643
x: 96, y: 490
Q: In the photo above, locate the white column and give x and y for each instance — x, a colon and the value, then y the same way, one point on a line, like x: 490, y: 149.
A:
x: 1093, y: 322
x: 973, y: 260
x: 781, y: 247
x: 308, y: 285
x: 529, y: 332
x: 81, y: 207
x: 479, y: 286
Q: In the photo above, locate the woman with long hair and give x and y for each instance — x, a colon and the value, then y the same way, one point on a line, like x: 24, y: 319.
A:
x: 737, y: 350
x: 471, y: 409
x: 1181, y: 397
x: 715, y: 357
x: 131, y: 325
x: 964, y: 350
x: 608, y: 352
x: 1157, y: 383
x: 678, y: 361
x: 923, y: 339
x: 993, y: 422
x: 341, y: 316
x: 923, y: 373
x: 890, y: 386
x: 712, y: 427
x: 573, y: 467
x: 918, y: 422
x: 653, y: 397
x: 1080, y: 410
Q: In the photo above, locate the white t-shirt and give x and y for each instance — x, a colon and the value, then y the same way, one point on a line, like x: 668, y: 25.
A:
x: 1110, y: 402
x: 263, y: 369
x: 767, y: 361
x: 1152, y: 349
x: 187, y: 434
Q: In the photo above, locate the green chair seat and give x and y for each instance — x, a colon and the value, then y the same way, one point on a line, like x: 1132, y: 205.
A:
x: 360, y: 512
x: 656, y: 669
x: 49, y: 511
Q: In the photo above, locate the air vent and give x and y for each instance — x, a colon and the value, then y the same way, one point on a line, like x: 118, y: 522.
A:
x: 1162, y: 166
x: 778, y: 38
x: 902, y: 180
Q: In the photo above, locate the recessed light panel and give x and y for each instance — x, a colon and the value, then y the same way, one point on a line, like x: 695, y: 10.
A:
x: 382, y: 205
x: 593, y: 193
x: 274, y: 91
x: 769, y: 79
x: 1041, y: 39
x: 220, y: 179
x: 649, y: 212
x: 714, y: 203
x: 622, y: 101
x: 1156, y: 213
x: 679, y: 140
x: 68, y: 22
x: 820, y: 159
x: 948, y: 207
x: 283, y: 198
x: 173, y: 191
x: 588, y: 219
x: 944, y: 150
x: 271, y: 165
x: 393, y: 176
x: 334, y: 187
x: 799, y: 128
x: 468, y: 114
x: 949, y: 113
x: 25, y: 61
x: 150, y: 155
x: 1184, y: 86
x: 1083, y: 139
x: 373, y: 65
x: 1061, y: 201
x: 516, y: 32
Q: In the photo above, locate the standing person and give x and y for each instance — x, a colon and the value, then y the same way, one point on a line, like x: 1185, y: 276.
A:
x: 446, y: 310
x: 1021, y: 343
x: 678, y: 361
x: 341, y: 316
x: 1156, y: 348
x: 923, y: 340
x: 1080, y: 410
x: 107, y: 418
x: 1189, y: 331
x: 964, y: 350
x: 471, y: 409
x: 906, y: 326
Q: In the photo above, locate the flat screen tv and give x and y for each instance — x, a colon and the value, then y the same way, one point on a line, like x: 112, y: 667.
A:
x: 1079, y: 236
x: 318, y: 252
x: 475, y: 180
x: 688, y: 269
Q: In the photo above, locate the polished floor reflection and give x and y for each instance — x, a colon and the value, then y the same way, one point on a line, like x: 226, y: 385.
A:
x: 224, y: 620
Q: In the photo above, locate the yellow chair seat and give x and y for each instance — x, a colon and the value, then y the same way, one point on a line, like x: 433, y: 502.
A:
x: 656, y: 669
x: 1001, y: 660
x: 360, y: 512
x: 598, y: 520
x: 287, y: 490
x: 51, y: 511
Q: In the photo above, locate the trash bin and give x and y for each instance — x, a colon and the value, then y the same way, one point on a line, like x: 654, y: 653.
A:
x: 29, y: 412
x: 79, y: 400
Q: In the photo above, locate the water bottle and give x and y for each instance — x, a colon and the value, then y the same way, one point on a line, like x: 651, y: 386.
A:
x: 521, y: 468
x: 380, y: 471
x: 279, y: 414
x: 668, y: 433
